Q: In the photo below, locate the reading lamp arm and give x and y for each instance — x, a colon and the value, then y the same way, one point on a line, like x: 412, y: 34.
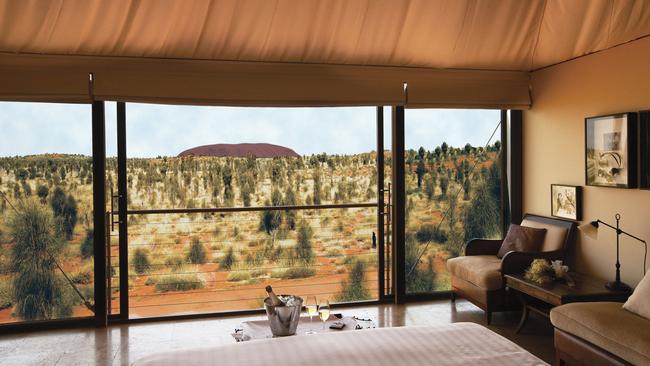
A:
x: 619, y: 230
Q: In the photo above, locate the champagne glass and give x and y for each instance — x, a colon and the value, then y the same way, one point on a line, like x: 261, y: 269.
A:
x: 324, y: 311
x: 311, y: 306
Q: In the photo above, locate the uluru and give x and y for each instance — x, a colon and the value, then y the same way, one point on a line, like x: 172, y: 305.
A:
x: 241, y: 150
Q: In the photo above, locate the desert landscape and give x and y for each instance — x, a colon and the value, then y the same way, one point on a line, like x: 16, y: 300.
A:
x: 183, y: 262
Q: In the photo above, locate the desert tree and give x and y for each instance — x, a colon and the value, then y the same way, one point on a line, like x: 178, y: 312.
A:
x: 38, y: 292
x: 354, y: 288
x: 141, y: 262
x: 420, y: 170
x: 304, y: 248
x: 197, y: 253
x: 481, y: 215
x: 418, y: 279
x: 42, y: 191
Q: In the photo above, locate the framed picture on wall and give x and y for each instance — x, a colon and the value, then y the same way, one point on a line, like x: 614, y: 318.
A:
x: 644, y: 146
x: 566, y: 202
x: 611, y: 150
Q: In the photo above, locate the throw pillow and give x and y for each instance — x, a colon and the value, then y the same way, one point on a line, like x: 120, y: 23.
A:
x: 522, y: 239
x: 638, y: 303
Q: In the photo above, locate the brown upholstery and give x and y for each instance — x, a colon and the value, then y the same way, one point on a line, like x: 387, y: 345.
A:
x: 608, y: 326
x: 555, y: 235
x: 522, y: 239
x: 481, y: 270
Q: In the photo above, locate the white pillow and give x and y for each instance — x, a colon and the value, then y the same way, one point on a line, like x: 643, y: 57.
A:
x: 639, y: 302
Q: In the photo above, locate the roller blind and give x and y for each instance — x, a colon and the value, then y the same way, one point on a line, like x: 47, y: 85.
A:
x: 201, y: 82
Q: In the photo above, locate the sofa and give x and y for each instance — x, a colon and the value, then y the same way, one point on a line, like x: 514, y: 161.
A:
x: 600, y: 333
x: 478, y: 275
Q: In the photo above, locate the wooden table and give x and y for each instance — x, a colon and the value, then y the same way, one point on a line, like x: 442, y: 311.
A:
x: 542, y: 298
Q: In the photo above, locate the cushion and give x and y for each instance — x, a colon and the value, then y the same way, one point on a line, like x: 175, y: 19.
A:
x: 608, y: 326
x: 483, y: 271
x: 522, y: 239
x: 639, y: 302
x: 555, y: 235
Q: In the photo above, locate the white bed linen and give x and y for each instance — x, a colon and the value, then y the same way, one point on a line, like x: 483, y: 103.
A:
x: 453, y: 344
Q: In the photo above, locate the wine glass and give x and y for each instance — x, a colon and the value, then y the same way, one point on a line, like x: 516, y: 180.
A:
x: 324, y: 311
x: 311, y: 306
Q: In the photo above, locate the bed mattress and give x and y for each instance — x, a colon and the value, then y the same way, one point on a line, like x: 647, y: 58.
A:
x: 453, y: 344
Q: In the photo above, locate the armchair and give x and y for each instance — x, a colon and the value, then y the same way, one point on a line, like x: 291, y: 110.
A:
x: 478, y: 276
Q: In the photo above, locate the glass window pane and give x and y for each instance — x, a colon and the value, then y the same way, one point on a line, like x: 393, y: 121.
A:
x: 46, y: 213
x: 453, y: 189
x: 247, y: 158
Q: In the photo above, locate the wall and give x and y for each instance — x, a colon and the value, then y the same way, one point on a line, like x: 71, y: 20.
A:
x: 615, y: 80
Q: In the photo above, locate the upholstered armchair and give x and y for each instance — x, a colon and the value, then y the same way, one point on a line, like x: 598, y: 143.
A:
x: 478, y: 276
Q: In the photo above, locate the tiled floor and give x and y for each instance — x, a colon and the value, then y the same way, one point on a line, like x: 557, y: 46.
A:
x: 123, y: 344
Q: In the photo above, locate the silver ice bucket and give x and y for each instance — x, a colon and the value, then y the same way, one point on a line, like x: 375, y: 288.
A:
x: 284, y: 319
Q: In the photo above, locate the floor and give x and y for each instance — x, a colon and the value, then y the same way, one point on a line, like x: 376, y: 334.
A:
x: 123, y: 344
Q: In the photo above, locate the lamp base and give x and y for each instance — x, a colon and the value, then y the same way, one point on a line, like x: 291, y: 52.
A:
x: 618, y: 286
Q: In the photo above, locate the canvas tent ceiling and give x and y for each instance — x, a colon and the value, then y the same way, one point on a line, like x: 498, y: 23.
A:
x: 302, y: 52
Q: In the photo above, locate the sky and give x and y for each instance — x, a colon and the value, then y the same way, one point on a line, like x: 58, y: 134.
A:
x: 164, y: 130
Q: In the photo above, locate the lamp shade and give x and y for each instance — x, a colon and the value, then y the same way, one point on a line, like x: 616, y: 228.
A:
x: 590, y: 229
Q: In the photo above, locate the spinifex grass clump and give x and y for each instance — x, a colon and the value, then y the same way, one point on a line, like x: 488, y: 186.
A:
x: 179, y: 282
x: 293, y: 272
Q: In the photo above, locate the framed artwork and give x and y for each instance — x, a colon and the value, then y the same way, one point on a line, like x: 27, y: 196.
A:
x: 644, y: 146
x: 611, y: 150
x: 566, y: 202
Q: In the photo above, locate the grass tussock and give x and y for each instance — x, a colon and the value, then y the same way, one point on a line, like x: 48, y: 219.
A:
x: 179, y: 282
x: 293, y: 272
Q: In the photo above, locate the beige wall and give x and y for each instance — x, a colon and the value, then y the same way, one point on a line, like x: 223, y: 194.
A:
x: 616, y: 80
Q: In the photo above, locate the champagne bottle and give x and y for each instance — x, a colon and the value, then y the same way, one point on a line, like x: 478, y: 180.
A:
x: 275, y: 301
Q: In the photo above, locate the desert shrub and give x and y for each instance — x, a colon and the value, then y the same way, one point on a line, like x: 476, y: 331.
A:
x: 179, y: 282
x: 197, y: 254
x: 418, y: 280
x: 141, y: 262
x: 293, y: 272
x: 354, y: 288
x: 87, y: 246
x: 82, y: 277
x: 239, y: 276
x: 228, y: 260
x: 429, y: 232
x: 333, y: 252
x: 37, y: 291
x: 6, y: 296
x: 258, y: 273
x: 150, y: 281
x: 175, y: 262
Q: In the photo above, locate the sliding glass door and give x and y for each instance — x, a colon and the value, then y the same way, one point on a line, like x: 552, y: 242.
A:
x: 220, y: 202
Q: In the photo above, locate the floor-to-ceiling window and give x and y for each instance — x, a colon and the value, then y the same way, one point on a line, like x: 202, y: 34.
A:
x: 453, y: 189
x: 224, y: 201
x: 46, y: 212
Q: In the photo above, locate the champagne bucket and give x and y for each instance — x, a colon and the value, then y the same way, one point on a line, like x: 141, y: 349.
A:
x: 284, y: 319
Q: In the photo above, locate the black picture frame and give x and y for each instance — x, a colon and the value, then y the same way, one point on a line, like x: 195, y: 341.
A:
x: 611, y: 150
x: 566, y: 201
x: 644, y: 149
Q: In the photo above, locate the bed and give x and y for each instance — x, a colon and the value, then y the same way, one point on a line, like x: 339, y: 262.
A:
x: 453, y: 344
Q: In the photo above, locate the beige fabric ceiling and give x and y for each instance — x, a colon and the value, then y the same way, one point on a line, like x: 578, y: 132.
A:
x: 514, y: 35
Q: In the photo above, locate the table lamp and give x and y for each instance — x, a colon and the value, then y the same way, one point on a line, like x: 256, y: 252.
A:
x: 590, y: 229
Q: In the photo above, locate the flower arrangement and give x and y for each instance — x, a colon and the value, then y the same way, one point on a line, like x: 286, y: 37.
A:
x: 540, y: 272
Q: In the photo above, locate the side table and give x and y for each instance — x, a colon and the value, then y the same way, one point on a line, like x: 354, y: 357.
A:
x: 542, y: 298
